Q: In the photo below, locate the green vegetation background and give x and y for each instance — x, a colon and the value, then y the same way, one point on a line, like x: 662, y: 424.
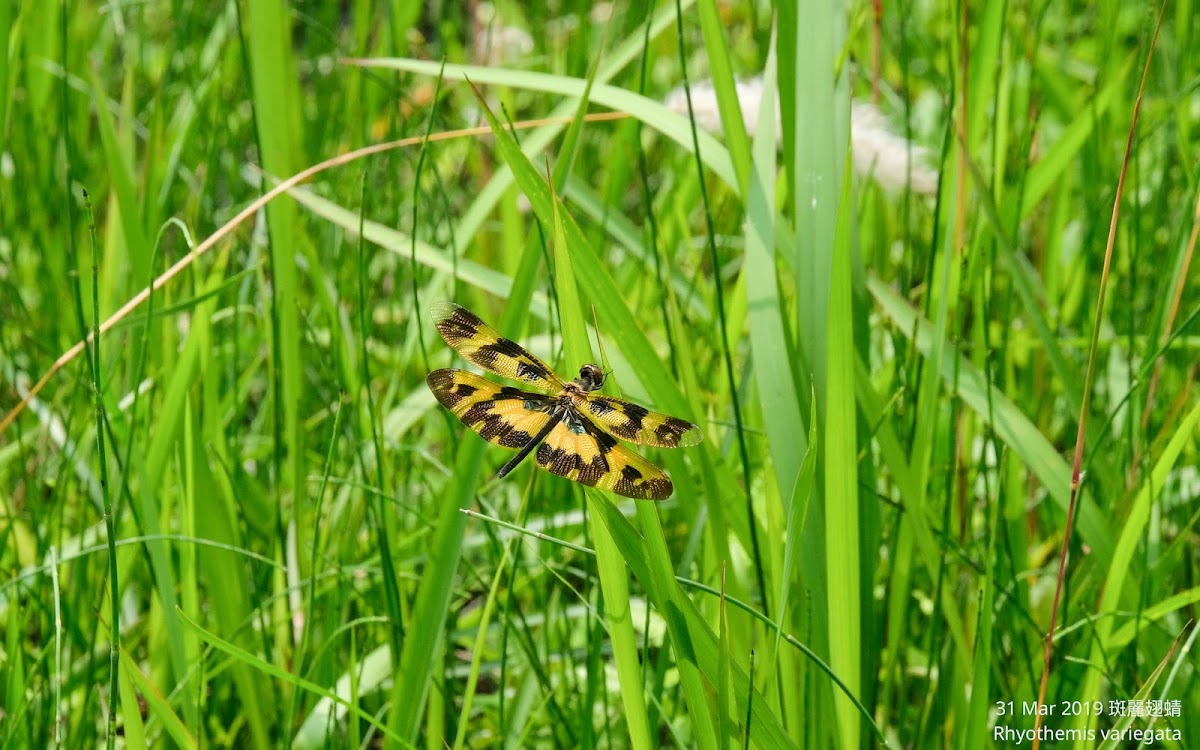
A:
x: 249, y: 484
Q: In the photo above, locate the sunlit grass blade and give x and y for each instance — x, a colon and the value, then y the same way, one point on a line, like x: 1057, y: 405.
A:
x: 98, y: 370
x: 653, y: 113
x: 841, y: 481
x: 1149, y: 617
x: 724, y: 86
x: 976, y: 733
x: 774, y: 361
x: 487, y: 279
x: 610, y: 568
x: 814, y: 122
x: 280, y: 134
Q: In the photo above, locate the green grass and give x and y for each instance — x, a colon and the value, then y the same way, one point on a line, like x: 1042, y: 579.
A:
x: 248, y: 482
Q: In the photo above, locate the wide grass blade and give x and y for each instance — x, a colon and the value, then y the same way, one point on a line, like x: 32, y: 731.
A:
x: 774, y: 360
x: 841, y: 482
x: 280, y: 133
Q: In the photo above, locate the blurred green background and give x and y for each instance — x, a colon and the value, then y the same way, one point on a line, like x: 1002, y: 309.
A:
x: 889, y: 318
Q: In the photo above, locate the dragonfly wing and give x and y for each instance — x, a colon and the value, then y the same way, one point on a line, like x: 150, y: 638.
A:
x: 504, y: 416
x: 638, y: 424
x: 480, y: 344
x: 577, y: 450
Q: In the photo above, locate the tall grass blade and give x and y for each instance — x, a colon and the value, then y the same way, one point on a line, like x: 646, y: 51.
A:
x: 614, y: 578
x: 841, y: 482
x: 280, y: 133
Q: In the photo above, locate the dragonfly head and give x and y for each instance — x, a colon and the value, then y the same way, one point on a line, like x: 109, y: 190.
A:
x: 590, y: 378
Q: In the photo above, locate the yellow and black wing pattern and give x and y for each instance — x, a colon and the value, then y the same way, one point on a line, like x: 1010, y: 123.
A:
x: 480, y: 344
x: 582, y: 453
x: 504, y: 416
x: 637, y: 424
x: 573, y: 429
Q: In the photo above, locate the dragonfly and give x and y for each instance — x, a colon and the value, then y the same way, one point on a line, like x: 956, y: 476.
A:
x: 571, y: 429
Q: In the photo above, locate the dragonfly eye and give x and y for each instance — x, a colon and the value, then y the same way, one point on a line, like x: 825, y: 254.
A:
x: 591, y: 377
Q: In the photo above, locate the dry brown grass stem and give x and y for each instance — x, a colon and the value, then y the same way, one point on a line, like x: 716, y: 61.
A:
x: 1087, y: 383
